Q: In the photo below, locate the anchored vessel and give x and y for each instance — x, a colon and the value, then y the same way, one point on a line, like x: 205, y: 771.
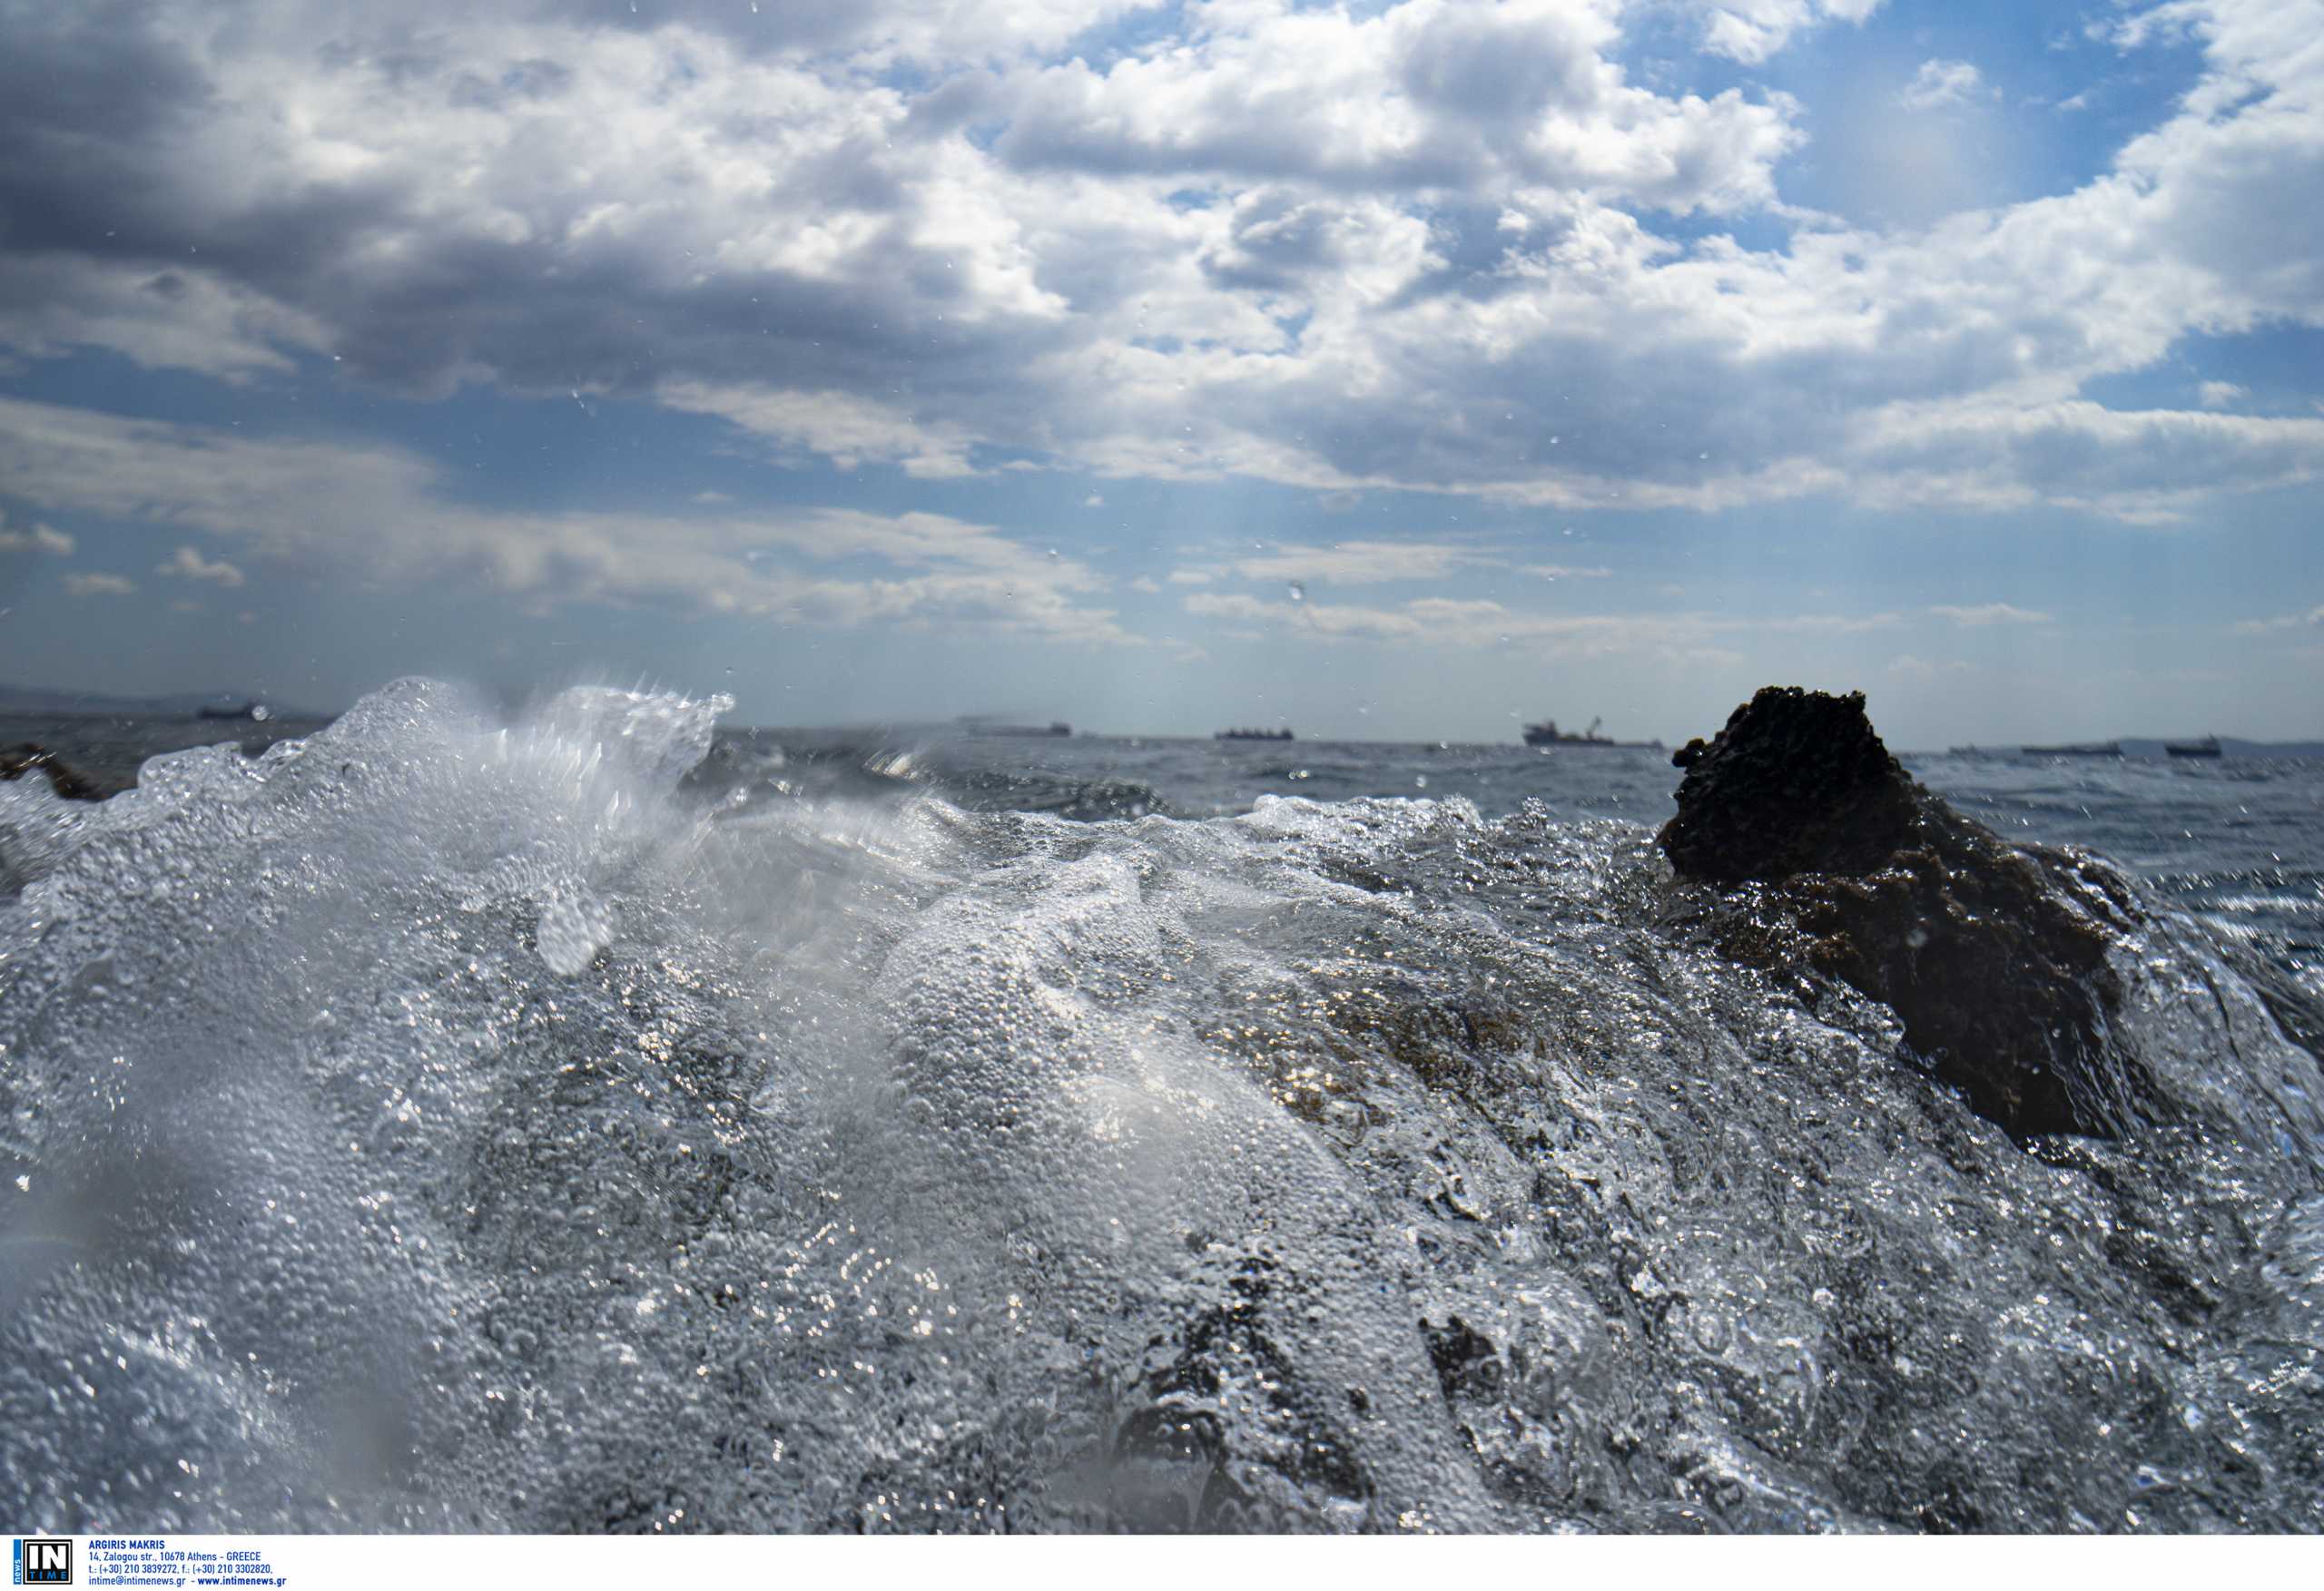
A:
x: 1547, y: 733
x: 2206, y: 747
x: 2081, y: 749
x: 981, y: 726
x: 1252, y: 734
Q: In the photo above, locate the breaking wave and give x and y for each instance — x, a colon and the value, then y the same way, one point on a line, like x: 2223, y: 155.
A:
x: 440, y: 1123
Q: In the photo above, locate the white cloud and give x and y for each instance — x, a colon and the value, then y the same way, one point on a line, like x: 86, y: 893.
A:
x: 1988, y: 613
x: 848, y: 431
x: 2221, y: 394
x: 1478, y: 622
x: 1376, y: 563
x: 40, y: 538
x: 1330, y: 621
x: 178, y: 316
x: 186, y: 563
x: 1939, y: 84
x: 1361, y: 562
x: 99, y: 585
x: 1750, y: 31
x: 2311, y: 618
x: 1920, y: 668
x: 1406, y: 246
x: 1428, y: 93
x: 390, y: 523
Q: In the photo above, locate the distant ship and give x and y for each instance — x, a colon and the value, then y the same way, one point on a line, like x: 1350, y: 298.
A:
x: 1253, y: 734
x: 981, y: 726
x: 1547, y: 733
x: 2081, y: 749
x: 2206, y: 747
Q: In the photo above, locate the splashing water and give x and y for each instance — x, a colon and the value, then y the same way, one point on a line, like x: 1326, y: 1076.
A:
x: 446, y: 1123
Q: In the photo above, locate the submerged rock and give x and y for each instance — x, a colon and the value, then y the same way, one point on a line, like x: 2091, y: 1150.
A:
x: 1993, y: 956
x: 69, y: 782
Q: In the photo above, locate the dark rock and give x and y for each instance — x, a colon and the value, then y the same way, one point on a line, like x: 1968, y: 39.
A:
x: 1797, y: 782
x: 1687, y: 755
x: 23, y: 757
x: 1993, y: 956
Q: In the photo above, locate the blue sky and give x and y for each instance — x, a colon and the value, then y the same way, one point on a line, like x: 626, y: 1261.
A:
x: 1395, y: 370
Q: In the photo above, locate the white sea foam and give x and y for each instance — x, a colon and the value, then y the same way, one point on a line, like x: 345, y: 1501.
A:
x: 446, y: 1122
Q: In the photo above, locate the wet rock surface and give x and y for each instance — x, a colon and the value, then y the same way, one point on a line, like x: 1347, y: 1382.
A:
x: 25, y: 758
x: 1993, y: 956
x: 1797, y: 782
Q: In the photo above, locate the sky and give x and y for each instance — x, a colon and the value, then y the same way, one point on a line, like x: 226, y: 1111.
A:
x: 1389, y: 369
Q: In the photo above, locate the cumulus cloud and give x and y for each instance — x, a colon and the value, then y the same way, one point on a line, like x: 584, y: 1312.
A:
x: 1939, y: 84
x: 1750, y: 31
x: 1424, y: 245
x: 99, y: 585
x: 2221, y: 394
x: 186, y: 563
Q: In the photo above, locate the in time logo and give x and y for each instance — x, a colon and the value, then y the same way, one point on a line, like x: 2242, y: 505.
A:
x: 39, y: 1562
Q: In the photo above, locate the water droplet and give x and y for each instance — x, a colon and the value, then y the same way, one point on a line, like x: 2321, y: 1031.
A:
x: 1298, y: 592
x: 1420, y: 781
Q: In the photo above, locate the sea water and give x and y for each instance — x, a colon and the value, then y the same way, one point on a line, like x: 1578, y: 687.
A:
x: 580, y: 1121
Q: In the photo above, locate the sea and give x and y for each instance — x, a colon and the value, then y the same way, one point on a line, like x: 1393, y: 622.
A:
x: 596, y: 1117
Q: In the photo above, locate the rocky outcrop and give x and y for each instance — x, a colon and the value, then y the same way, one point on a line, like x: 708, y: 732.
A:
x: 1993, y: 956
x: 23, y: 757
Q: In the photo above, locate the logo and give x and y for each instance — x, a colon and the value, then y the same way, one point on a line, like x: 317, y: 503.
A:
x: 38, y: 1562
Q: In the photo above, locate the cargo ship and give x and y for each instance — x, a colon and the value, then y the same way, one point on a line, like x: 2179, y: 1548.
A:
x: 2081, y: 749
x: 1547, y: 733
x: 985, y: 726
x: 1253, y: 734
